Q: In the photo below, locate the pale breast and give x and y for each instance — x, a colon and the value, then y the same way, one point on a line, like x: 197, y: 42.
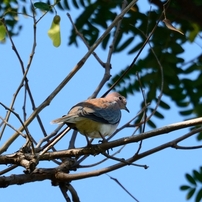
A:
x: 93, y: 129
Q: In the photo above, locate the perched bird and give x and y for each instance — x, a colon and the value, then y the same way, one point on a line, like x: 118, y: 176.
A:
x: 96, y: 118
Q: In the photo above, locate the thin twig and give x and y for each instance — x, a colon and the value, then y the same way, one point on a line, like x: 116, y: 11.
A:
x: 162, y: 82
x: 187, y: 147
x: 23, y: 135
x: 24, y: 104
x: 122, y: 187
x: 85, y: 42
x: 63, y: 189
x: 135, y: 59
x: 115, y: 158
x: 31, y: 140
x: 162, y: 85
x: 74, y: 194
x: 73, y: 140
x: 51, y: 6
x: 8, y: 169
x: 111, y: 47
x: 51, y: 144
x: 107, y: 74
x: 21, y: 84
x: 47, y: 138
x: 28, y: 67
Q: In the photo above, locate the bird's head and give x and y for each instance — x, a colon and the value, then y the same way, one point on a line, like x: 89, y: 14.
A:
x: 121, y: 100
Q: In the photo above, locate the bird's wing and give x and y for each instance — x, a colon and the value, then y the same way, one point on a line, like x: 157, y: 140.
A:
x: 99, y: 110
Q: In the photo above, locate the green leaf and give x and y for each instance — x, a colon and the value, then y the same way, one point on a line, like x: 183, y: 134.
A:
x: 190, y: 193
x: 193, y: 67
x: 151, y: 124
x: 136, y: 48
x: 75, y: 4
x: 59, y: 5
x: 186, y: 112
x: 124, y: 45
x: 102, y: 13
x: 197, y: 175
x: 66, y: 5
x: 54, y: 31
x: 24, y: 10
x: 194, y: 32
x: 199, y: 137
x: 2, y: 32
x: 163, y: 104
x: 82, y: 3
x: 159, y: 115
x: 42, y: 6
x: 182, y: 104
x: 184, y: 187
x: 190, y: 179
x: 199, y: 196
x: 177, y: 48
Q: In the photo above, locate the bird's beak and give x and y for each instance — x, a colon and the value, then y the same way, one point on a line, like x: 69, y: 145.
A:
x: 127, y: 109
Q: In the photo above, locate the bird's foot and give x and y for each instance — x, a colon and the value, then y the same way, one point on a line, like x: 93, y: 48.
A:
x: 103, y: 139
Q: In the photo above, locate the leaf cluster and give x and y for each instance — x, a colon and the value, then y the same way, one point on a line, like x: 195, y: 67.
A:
x: 194, y: 187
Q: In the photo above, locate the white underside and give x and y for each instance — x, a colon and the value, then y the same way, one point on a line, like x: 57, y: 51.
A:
x: 104, y: 129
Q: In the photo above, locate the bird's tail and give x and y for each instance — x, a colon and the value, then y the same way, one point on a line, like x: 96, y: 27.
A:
x: 59, y: 120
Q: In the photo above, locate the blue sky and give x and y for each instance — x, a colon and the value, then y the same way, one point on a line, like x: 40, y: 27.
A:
x: 160, y: 182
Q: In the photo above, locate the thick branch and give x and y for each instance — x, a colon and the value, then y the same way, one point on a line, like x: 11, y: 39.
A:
x: 99, y: 148
x: 60, y: 173
x: 41, y: 175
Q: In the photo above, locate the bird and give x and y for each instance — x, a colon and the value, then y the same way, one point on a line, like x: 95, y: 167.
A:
x: 96, y: 118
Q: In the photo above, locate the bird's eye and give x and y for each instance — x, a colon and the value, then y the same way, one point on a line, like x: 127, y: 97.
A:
x: 120, y: 98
